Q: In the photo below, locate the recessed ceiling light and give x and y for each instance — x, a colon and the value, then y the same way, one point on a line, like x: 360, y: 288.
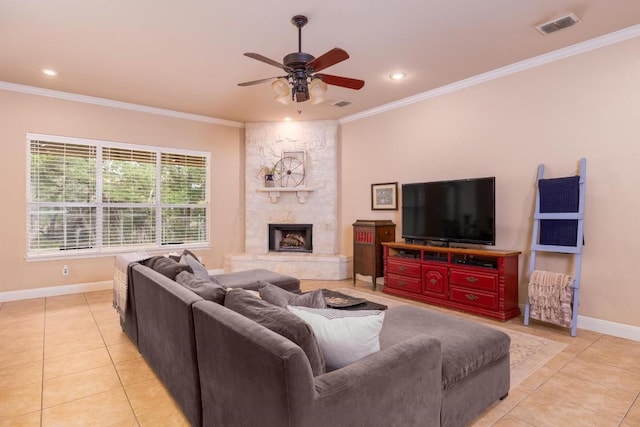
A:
x: 287, y: 119
x: 50, y: 72
x: 397, y: 76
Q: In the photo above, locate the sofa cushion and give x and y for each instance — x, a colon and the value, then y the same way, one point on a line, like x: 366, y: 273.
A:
x: 280, y: 321
x: 204, y: 288
x: 166, y: 266
x: 467, y: 346
x: 344, y: 336
x: 197, y: 267
x: 282, y: 298
x: 249, y: 279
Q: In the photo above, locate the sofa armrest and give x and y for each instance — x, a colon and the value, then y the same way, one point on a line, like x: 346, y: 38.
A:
x: 400, y: 385
x: 166, y: 336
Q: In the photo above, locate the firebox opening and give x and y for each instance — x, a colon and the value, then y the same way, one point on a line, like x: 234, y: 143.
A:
x: 291, y: 237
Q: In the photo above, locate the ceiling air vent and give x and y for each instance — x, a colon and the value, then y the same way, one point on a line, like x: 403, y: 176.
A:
x: 558, y: 24
x: 341, y: 103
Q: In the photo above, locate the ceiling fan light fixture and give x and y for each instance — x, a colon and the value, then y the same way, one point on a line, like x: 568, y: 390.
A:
x: 302, y: 69
x: 284, y: 100
x: 317, y: 89
x: 281, y: 87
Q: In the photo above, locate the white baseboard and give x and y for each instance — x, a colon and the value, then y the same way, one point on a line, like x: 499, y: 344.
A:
x: 615, y: 329
x: 610, y: 328
x: 53, y: 291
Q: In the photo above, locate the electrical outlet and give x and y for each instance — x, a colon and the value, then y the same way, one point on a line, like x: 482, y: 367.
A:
x: 65, y: 270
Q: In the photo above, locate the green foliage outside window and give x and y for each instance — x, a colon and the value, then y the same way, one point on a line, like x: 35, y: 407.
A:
x: 64, y: 204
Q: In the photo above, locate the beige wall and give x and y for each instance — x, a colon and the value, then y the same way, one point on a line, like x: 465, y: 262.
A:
x: 22, y: 113
x: 584, y: 106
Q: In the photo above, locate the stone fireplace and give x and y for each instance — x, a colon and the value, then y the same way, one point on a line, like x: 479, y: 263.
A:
x: 291, y: 238
x: 314, y: 203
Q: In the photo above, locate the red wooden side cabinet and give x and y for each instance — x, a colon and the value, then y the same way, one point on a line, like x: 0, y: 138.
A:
x: 483, y: 282
x: 367, y: 252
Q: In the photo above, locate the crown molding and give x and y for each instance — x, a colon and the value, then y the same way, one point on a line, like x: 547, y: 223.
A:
x: 556, y: 55
x: 67, y: 96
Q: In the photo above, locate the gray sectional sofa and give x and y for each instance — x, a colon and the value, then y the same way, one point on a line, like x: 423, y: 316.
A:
x: 224, y: 369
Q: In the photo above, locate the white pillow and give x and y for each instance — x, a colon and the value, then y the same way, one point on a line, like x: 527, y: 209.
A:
x: 344, y: 336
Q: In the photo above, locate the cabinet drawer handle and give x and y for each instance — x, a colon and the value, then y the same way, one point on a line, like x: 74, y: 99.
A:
x: 471, y: 297
x: 433, y: 281
x: 402, y: 268
x: 402, y: 283
x: 471, y: 279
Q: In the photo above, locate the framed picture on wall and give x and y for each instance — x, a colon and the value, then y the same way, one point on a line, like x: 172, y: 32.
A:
x: 384, y: 197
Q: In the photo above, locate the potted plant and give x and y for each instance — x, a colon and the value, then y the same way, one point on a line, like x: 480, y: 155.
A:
x: 267, y: 172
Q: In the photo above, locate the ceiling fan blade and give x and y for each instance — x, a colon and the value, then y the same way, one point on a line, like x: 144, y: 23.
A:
x: 330, y: 58
x: 341, y: 81
x: 266, y: 60
x: 255, y: 82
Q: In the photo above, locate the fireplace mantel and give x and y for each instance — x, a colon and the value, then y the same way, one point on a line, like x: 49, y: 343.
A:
x: 275, y: 192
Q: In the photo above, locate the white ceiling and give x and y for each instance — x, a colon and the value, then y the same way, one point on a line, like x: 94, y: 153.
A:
x: 187, y: 55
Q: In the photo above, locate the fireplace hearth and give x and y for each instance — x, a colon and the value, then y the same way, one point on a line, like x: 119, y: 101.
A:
x: 291, y: 238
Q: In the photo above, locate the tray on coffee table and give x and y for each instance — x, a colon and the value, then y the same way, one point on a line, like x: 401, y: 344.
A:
x: 347, y: 302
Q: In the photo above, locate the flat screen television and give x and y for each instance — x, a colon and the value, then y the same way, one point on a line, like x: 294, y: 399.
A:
x: 460, y: 211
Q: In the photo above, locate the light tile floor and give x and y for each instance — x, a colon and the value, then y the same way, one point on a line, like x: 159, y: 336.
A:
x: 64, y: 361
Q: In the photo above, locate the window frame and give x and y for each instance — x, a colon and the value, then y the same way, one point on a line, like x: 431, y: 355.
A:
x: 100, y: 249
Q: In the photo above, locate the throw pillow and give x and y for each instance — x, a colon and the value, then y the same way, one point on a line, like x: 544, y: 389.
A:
x: 198, y: 269
x: 166, y: 266
x: 188, y: 252
x: 282, y: 298
x: 204, y: 288
x: 174, y: 256
x: 251, y: 292
x: 279, y: 320
x: 344, y: 336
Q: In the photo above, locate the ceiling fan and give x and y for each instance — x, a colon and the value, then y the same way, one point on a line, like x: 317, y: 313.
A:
x: 302, y: 80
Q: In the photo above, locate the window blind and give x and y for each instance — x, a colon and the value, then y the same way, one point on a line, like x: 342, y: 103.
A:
x: 89, y: 196
x: 62, y: 212
x: 183, y: 195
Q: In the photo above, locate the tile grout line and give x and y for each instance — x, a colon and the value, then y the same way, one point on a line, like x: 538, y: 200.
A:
x: 636, y: 400
x: 574, y: 357
x: 112, y: 362
x: 82, y: 397
x: 44, y: 343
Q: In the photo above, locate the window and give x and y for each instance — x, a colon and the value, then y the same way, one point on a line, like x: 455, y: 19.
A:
x: 98, y: 197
